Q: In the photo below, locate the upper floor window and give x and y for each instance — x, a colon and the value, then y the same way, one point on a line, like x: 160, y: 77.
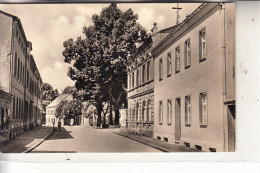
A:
x: 202, y: 45
x: 18, y: 69
x: 15, y: 64
x: 203, y: 108
x: 169, y: 64
x: 129, y: 81
x: 148, y: 71
x: 187, y: 110
x: 177, y: 60
x: 187, y: 56
x: 137, y: 77
x: 143, y: 73
x: 160, y: 69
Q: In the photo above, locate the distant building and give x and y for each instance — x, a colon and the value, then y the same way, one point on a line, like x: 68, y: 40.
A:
x: 140, y: 116
x: 51, y: 109
x: 19, y: 75
x: 194, y: 81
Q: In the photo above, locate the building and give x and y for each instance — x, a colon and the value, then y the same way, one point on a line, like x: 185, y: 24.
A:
x: 51, y: 109
x: 140, y: 116
x: 194, y: 81
x: 19, y: 75
x: 5, y: 111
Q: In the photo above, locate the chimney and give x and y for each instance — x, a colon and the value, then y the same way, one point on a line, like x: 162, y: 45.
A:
x: 154, y: 29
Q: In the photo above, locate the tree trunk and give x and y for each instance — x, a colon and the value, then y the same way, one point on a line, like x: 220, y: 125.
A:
x: 110, y: 114
x: 116, y: 115
x: 99, y: 112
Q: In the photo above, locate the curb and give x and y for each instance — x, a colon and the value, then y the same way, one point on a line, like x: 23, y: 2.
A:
x: 36, y: 145
x: 145, y: 143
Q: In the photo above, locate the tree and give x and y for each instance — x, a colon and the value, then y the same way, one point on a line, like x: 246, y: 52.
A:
x: 69, y: 109
x: 100, y: 59
x: 69, y: 90
x: 61, y: 109
x: 48, y: 95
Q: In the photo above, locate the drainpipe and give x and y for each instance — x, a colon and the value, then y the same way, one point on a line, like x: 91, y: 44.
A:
x: 224, y: 77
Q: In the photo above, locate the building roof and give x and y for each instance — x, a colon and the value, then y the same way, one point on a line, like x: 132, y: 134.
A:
x: 18, y: 20
x: 203, y: 9
x: 59, y: 99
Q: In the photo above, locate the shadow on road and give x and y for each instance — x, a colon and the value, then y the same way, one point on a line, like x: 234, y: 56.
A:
x: 62, y: 134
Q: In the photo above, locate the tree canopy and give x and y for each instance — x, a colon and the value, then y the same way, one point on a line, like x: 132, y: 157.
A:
x: 69, y: 90
x: 48, y: 95
x: 99, y: 60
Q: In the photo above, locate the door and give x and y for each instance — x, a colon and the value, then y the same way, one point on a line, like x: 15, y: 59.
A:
x: 231, y: 127
x: 2, y: 118
x: 177, y: 120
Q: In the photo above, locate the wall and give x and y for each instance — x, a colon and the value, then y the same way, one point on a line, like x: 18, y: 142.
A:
x: 5, y: 50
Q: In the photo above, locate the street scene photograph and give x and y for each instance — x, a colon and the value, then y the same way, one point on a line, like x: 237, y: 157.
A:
x: 117, y: 78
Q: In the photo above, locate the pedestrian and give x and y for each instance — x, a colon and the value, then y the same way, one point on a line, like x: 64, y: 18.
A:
x: 59, y: 125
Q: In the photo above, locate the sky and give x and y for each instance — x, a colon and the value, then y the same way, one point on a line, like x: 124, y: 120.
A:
x: 47, y: 26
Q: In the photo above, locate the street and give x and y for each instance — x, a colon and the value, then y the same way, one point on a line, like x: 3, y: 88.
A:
x: 77, y: 139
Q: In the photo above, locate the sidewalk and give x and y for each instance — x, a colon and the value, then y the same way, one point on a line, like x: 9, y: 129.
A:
x: 27, y: 141
x: 160, y: 145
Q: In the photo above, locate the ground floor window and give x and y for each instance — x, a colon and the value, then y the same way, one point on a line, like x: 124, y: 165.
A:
x: 203, y: 108
x: 187, y: 110
x: 169, y: 111
x: 160, y: 112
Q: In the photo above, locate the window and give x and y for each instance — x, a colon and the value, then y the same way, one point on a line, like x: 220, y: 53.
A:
x: 160, y: 112
x: 137, y: 111
x: 148, y: 71
x: 187, y: 110
x: 169, y: 111
x: 23, y: 75
x: 18, y: 71
x: 137, y: 77
x: 133, y: 79
x: 143, y: 73
x: 27, y: 79
x: 143, y: 110
x: 15, y: 64
x: 203, y: 109
x: 177, y: 60
x: 160, y: 69
x: 148, y: 111
x: 129, y: 81
x: 169, y: 64
x: 14, y: 108
x: 202, y: 45
x: 17, y: 108
x: 187, y: 58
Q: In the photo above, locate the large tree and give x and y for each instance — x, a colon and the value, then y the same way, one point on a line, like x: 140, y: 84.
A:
x: 69, y: 90
x: 48, y: 95
x: 99, y: 60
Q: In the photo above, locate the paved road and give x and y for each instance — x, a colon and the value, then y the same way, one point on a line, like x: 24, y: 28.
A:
x: 76, y: 139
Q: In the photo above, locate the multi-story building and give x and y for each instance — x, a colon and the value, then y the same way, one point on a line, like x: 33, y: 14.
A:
x: 140, y: 117
x: 194, y: 80
x: 19, y: 75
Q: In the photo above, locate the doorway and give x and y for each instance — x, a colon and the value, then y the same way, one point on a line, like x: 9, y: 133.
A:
x: 177, y: 120
x: 231, y: 116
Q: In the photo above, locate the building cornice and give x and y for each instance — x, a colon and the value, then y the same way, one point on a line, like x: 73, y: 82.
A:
x: 141, y: 94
